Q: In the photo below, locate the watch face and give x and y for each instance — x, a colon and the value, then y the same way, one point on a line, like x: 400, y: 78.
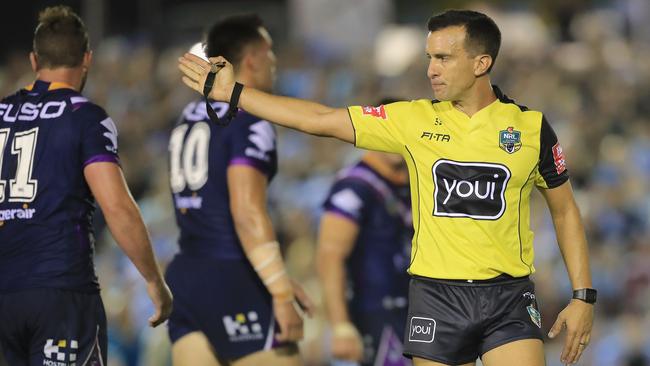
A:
x: 591, y: 296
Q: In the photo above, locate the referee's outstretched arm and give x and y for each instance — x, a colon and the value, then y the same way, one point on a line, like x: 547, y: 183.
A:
x: 306, y: 116
x: 577, y: 317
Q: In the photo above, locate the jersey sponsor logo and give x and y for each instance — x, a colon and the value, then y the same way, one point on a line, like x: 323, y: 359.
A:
x: 422, y: 330
x: 17, y: 213
x: 558, y: 158
x: 263, y: 137
x: 243, y: 327
x: 187, y: 202
x: 474, y: 190
x: 30, y: 111
x: 435, y: 136
x: 374, y: 111
x: 510, y: 140
x: 60, y: 354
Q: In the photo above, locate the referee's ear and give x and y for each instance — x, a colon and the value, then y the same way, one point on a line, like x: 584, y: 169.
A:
x: 482, y: 64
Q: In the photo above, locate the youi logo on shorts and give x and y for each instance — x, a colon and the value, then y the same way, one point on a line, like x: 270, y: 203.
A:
x: 422, y: 329
x: 475, y: 190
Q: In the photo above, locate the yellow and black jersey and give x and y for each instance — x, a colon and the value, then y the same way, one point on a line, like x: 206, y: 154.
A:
x: 471, y: 179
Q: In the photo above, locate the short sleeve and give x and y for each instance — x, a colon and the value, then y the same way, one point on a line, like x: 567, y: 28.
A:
x: 347, y: 198
x: 552, y: 169
x: 379, y: 128
x: 99, y: 134
x: 254, y: 144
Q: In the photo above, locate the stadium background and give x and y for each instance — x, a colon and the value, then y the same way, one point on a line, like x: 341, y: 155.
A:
x: 586, y: 64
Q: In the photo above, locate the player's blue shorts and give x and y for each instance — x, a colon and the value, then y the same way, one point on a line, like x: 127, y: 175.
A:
x: 381, y: 331
x: 52, y: 327
x: 223, y: 299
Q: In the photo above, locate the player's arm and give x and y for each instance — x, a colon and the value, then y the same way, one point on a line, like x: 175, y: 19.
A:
x: 309, y: 117
x: 123, y: 218
x: 578, y: 316
x: 336, y: 240
x: 247, y: 193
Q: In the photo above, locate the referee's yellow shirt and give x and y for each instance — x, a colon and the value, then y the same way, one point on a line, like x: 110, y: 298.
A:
x: 470, y: 179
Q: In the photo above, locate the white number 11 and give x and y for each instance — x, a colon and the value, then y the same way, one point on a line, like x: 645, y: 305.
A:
x: 22, y: 188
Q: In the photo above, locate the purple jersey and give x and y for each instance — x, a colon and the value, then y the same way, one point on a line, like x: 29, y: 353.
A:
x: 377, y: 265
x: 48, y: 134
x: 200, y: 154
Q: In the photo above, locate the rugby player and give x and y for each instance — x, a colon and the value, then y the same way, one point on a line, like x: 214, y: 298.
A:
x: 58, y: 155
x: 234, y: 302
x: 363, y: 254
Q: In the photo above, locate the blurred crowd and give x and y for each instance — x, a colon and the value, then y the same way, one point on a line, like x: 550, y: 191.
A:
x: 588, y: 71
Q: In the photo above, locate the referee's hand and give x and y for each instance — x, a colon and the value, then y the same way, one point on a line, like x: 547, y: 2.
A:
x: 577, y: 318
x: 195, y: 70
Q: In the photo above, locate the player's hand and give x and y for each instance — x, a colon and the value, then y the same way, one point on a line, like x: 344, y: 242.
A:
x: 304, y: 301
x: 288, y: 319
x: 347, y: 343
x: 162, y: 300
x: 195, y: 70
x: 577, y: 318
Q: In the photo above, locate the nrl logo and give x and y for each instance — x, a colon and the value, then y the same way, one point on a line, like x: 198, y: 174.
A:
x: 510, y: 140
x: 535, y: 316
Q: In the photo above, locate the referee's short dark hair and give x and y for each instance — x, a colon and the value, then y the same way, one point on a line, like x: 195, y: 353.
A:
x: 60, y: 38
x: 482, y: 33
x: 230, y: 36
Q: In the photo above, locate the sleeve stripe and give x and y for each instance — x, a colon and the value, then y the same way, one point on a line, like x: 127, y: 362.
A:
x: 102, y: 158
x: 341, y: 213
x: 254, y: 163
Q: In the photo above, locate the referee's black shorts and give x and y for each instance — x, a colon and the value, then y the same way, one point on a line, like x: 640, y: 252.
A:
x: 454, y: 322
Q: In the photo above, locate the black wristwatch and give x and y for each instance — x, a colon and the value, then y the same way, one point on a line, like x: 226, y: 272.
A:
x: 587, y: 295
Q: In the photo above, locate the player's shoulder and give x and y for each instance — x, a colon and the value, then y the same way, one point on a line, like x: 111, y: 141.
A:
x: 358, y: 177
x: 83, y: 109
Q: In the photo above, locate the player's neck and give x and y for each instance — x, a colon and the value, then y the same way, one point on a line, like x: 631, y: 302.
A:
x: 69, y: 76
x: 476, y: 98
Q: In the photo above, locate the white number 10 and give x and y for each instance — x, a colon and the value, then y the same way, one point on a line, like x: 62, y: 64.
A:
x: 189, y: 157
x: 22, y: 188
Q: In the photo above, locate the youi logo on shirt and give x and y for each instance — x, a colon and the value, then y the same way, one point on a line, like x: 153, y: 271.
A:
x: 475, y: 190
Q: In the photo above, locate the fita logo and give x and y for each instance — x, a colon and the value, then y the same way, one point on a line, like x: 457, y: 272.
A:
x: 422, y: 330
x: 374, y: 111
x: 243, y: 327
x: 60, y: 354
x: 442, y: 137
x: 510, y: 140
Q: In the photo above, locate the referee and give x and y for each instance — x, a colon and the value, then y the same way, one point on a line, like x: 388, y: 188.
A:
x: 473, y: 157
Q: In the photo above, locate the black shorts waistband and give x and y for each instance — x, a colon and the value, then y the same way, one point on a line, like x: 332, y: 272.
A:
x: 502, y: 279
